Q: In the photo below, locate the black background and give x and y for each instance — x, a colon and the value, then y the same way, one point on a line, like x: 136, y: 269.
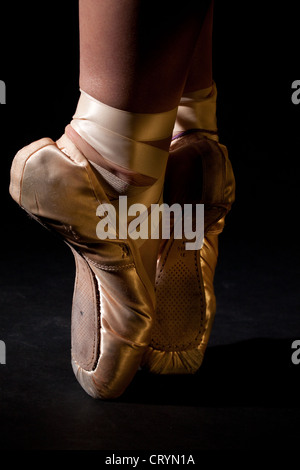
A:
x: 246, y: 395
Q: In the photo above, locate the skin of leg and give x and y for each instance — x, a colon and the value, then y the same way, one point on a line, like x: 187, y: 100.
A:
x: 135, y: 56
x: 200, y: 74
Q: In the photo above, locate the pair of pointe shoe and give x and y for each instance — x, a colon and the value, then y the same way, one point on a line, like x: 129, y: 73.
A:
x: 123, y: 319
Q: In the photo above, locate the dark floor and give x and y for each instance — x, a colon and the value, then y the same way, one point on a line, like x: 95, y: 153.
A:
x: 246, y: 394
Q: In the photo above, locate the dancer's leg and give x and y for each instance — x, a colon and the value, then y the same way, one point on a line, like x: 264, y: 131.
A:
x: 197, y: 107
x: 134, y: 56
x: 200, y: 74
x: 184, y: 283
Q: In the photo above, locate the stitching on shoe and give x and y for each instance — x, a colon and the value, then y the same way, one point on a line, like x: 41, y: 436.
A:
x: 109, y: 268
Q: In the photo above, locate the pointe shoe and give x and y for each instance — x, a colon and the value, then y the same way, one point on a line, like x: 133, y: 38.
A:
x: 199, y: 171
x: 114, y: 295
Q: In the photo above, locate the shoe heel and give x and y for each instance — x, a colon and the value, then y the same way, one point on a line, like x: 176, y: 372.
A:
x: 19, y: 164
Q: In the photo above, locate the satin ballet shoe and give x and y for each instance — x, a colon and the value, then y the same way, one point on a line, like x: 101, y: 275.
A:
x: 199, y: 171
x: 114, y: 294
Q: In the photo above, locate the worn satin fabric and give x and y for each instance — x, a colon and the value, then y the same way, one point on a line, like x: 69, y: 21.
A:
x: 120, y: 136
x: 62, y: 190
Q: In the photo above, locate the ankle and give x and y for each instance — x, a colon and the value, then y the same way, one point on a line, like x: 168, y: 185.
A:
x: 197, y: 111
x: 91, y: 154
